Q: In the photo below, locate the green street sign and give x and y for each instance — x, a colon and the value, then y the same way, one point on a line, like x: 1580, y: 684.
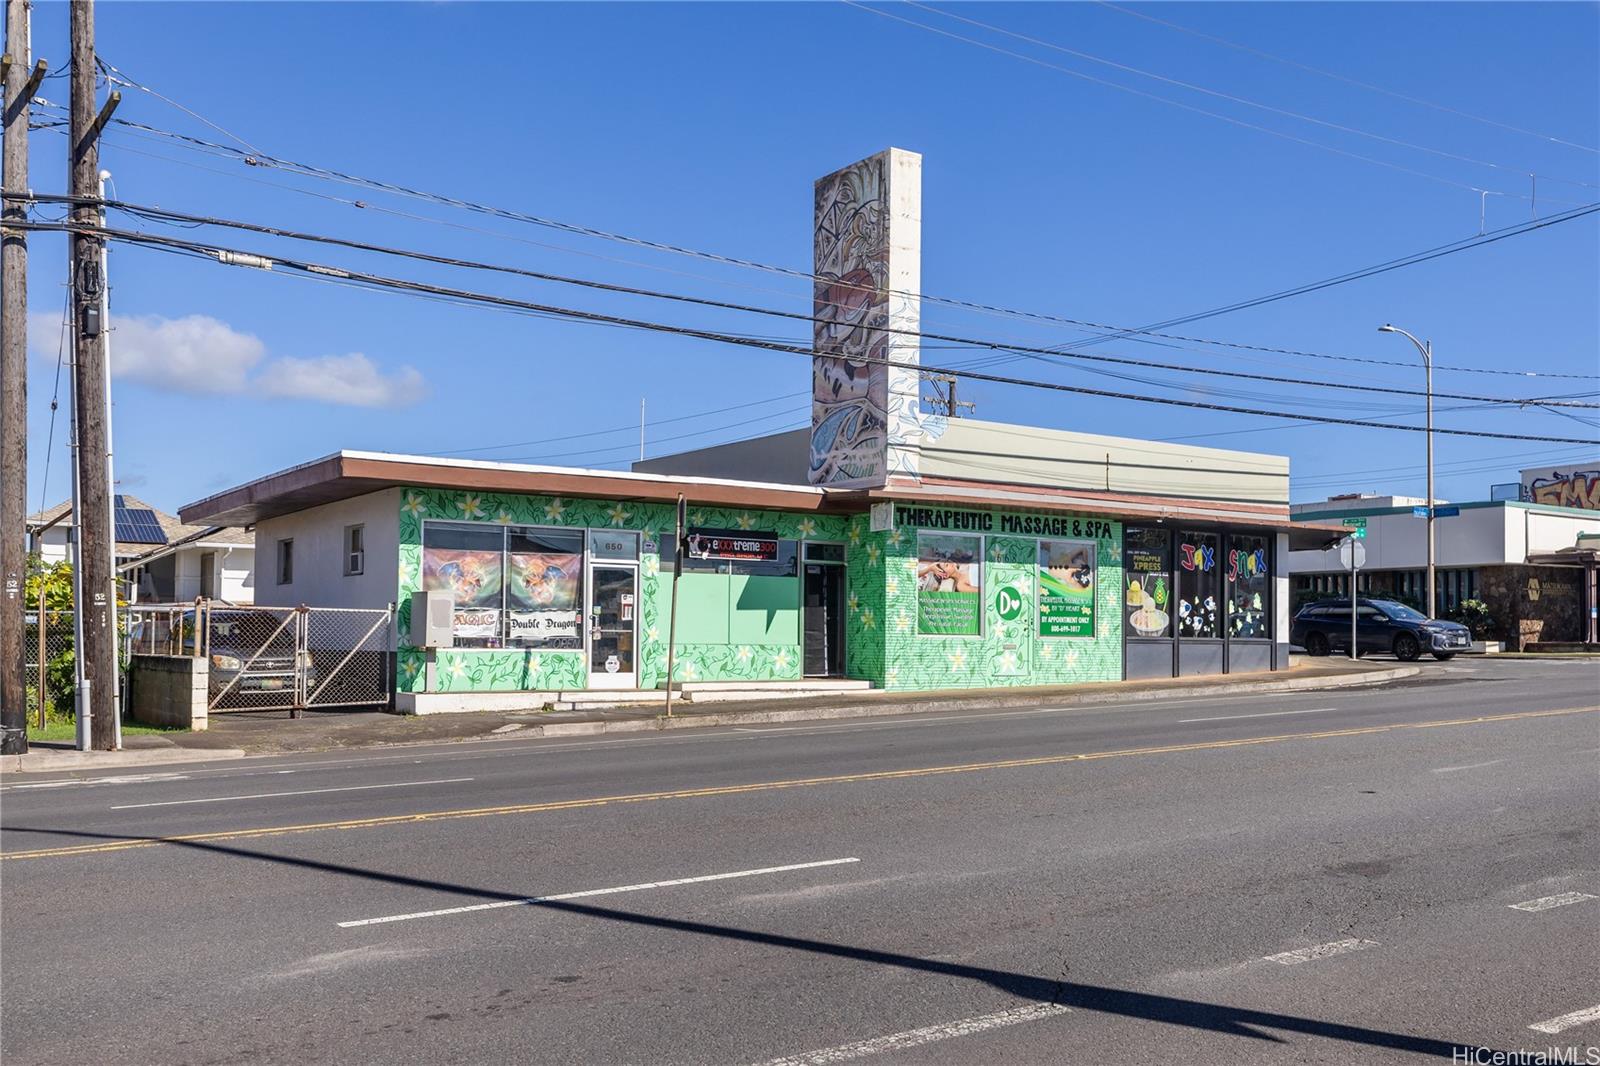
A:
x: 1008, y: 603
x: 1357, y: 527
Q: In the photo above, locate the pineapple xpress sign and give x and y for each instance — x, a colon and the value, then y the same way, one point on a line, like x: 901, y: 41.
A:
x: 1066, y: 588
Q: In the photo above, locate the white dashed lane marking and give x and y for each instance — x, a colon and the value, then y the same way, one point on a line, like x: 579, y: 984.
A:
x: 1567, y: 1021
x: 1544, y: 903
x: 300, y: 792
x: 916, y: 1037
x: 1320, y: 951
x: 585, y: 893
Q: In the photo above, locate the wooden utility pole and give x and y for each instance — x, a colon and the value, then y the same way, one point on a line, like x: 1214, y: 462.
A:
x: 94, y: 522
x: 20, y: 83
x: 947, y: 398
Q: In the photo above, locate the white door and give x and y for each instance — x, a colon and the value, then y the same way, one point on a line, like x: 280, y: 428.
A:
x: 613, y: 625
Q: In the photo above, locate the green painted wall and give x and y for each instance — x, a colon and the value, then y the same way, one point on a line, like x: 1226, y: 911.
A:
x: 734, y: 627
x: 885, y: 648
x: 730, y: 627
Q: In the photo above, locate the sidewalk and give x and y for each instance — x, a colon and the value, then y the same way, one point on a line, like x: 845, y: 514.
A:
x: 238, y: 735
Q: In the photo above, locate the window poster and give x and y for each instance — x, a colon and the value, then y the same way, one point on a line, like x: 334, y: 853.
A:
x: 1247, y: 577
x: 949, y: 585
x: 1199, y: 612
x: 1066, y: 588
x: 543, y: 595
x: 473, y: 579
x: 1147, y: 564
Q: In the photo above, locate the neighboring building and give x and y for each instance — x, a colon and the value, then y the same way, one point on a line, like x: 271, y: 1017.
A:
x: 159, y: 558
x: 884, y: 544
x: 1522, y: 559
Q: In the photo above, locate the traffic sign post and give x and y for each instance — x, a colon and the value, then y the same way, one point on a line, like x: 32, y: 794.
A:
x: 1352, y: 556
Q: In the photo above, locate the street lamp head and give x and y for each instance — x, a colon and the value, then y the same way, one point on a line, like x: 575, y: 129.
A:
x: 1386, y: 328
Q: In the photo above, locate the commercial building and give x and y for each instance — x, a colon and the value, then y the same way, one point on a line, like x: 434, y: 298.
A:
x: 1531, y: 563
x: 884, y: 544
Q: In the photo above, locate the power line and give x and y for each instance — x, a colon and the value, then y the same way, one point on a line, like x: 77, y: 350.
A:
x: 157, y: 213
x: 308, y: 170
x: 1178, y: 103
x: 1520, y: 171
x: 620, y: 429
x: 244, y: 258
x: 1344, y: 78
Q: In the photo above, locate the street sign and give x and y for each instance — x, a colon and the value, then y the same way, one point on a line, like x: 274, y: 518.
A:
x: 1419, y: 512
x: 1356, y: 526
x: 1446, y: 512
x: 1352, y: 553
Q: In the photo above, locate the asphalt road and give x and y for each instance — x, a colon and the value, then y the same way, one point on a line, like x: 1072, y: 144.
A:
x: 1324, y: 877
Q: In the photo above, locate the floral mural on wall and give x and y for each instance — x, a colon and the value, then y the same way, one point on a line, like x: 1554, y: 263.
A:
x: 536, y: 669
x: 886, y: 648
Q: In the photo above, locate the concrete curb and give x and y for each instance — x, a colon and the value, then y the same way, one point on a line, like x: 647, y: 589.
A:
x: 51, y: 760
x: 868, y: 710
x: 55, y: 760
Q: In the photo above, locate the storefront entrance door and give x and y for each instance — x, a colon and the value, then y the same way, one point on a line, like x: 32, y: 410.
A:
x: 824, y: 621
x: 613, y: 626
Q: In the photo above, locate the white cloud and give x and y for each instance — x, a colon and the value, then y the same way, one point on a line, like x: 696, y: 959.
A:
x: 196, y: 353
x: 201, y: 354
x: 349, y: 379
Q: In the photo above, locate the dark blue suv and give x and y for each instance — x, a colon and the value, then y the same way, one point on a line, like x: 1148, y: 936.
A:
x: 1381, y: 626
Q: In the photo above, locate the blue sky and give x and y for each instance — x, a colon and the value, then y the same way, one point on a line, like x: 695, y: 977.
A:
x: 705, y: 125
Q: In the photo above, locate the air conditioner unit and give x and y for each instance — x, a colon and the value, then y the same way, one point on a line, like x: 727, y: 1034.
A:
x: 432, y: 618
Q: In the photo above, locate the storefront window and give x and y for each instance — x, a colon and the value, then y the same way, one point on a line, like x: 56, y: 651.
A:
x: 466, y: 561
x: 1199, y: 612
x: 949, y: 585
x: 1066, y: 588
x: 1247, y: 576
x: 544, y: 588
x: 1147, y: 564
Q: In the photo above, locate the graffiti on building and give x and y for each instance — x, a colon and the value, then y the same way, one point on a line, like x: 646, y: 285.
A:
x: 1570, y: 488
x: 866, y: 246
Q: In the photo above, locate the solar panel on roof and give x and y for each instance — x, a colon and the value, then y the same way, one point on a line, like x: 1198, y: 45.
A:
x: 137, y: 525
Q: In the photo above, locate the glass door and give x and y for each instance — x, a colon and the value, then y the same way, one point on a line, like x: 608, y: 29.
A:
x: 613, y: 626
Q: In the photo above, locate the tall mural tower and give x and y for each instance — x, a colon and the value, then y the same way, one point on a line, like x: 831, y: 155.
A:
x: 866, y: 423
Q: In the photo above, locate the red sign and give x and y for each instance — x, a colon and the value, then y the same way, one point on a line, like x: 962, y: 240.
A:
x: 754, y: 548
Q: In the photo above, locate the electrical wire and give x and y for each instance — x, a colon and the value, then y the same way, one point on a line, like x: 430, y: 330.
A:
x: 318, y: 172
x: 157, y: 213
x: 1521, y: 171
x: 1341, y: 77
x: 1180, y: 104
x: 223, y: 254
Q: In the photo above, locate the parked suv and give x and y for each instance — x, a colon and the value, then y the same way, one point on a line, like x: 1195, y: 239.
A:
x: 1381, y: 626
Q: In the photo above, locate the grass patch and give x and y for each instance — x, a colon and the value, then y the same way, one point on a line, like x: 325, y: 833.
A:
x: 66, y: 729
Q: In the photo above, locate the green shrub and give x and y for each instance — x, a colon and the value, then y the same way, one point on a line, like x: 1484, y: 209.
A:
x: 1474, y: 614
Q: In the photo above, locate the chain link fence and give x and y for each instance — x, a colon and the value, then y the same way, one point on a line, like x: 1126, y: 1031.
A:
x: 47, y: 667
x: 259, y: 658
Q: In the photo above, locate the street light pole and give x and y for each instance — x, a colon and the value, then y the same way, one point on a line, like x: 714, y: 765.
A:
x: 1425, y: 348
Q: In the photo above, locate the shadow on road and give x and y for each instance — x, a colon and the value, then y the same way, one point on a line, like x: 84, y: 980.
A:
x: 1169, y: 1010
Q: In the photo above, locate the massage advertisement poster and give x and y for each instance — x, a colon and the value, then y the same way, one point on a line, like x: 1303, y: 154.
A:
x: 1066, y: 588
x: 949, y: 585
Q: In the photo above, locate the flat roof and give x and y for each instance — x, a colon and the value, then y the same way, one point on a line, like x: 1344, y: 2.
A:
x: 347, y: 474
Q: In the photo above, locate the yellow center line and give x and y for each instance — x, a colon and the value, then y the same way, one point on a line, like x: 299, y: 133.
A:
x: 766, y: 786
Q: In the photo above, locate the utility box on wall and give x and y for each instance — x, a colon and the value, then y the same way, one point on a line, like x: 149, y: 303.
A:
x: 432, y: 615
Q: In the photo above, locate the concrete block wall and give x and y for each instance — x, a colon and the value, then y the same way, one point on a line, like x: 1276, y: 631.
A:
x: 169, y: 690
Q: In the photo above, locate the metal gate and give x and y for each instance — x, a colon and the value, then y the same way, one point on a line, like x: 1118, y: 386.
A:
x: 291, y: 658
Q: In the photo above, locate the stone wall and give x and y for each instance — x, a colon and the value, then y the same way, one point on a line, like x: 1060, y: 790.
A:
x: 1534, y: 604
x: 168, y: 690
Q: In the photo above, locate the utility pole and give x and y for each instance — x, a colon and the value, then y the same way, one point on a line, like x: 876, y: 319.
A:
x: 19, y: 84
x: 98, y: 650
x: 947, y: 397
